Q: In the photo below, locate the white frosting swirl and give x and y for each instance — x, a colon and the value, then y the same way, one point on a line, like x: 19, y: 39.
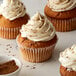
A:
x: 61, y: 5
x: 38, y: 29
x: 12, y: 9
x: 68, y: 58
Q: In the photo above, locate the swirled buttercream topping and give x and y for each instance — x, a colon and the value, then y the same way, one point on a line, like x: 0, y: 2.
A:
x: 12, y: 9
x: 61, y: 5
x: 38, y: 29
x: 68, y: 58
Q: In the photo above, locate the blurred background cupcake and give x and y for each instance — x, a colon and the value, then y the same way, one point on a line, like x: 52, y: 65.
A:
x: 37, y: 39
x: 12, y: 16
x: 62, y: 13
x: 68, y: 62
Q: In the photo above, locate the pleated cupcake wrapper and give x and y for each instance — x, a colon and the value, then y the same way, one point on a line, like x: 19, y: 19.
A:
x: 64, y: 25
x: 36, y: 54
x: 9, y: 33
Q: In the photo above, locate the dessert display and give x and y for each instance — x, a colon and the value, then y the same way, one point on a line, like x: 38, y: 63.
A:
x: 12, y: 16
x: 62, y: 13
x: 68, y: 62
x: 8, y: 67
x: 37, y: 39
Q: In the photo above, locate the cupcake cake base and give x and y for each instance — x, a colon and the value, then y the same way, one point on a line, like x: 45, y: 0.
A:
x: 10, y: 29
x: 36, y: 51
x: 62, y: 21
x: 65, y: 72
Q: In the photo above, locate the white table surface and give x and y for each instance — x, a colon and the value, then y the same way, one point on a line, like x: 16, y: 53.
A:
x: 48, y: 68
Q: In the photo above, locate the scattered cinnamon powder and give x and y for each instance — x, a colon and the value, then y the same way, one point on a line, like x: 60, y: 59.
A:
x: 13, y: 55
x: 8, y: 67
x: 33, y: 67
x: 6, y: 48
x: 27, y: 66
x: 9, y: 51
x: 8, y: 45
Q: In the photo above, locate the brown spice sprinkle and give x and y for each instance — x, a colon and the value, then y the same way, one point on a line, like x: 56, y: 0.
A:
x: 8, y: 67
x: 33, y: 67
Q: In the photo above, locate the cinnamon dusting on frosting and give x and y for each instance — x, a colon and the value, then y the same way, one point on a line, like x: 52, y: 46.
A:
x: 12, y: 9
x: 61, y: 5
x: 68, y: 58
x: 38, y: 29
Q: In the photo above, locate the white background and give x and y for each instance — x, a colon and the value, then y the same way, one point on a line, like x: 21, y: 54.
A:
x: 49, y: 68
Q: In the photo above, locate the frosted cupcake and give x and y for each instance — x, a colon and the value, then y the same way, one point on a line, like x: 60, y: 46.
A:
x: 12, y: 17
x: 37, y: 39
x: 62, y: 13
x: 68, y: 62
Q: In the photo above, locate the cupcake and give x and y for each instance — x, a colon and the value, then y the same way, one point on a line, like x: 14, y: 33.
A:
x: 37, y: 39
x: 62, y: 13
x: 68, y: 62
x: 12, y: 16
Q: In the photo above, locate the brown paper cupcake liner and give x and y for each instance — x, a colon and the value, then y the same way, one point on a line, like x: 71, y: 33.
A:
x: 36, y: 55
x: 64, y: 25
x: 9, y: 33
